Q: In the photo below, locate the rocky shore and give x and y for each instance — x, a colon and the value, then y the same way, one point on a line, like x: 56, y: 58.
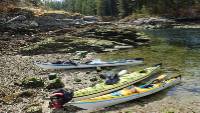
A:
x: 26, y: 37
x: 15, y: 97
x: 24, y: 32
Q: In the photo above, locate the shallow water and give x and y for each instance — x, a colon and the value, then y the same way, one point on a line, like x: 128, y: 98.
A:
x: 179, y: 51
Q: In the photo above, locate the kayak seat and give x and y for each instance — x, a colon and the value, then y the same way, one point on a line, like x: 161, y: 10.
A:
x: 58, y: 62
x: 143, y: 71
x: 73, y: 62
x: 88, y: 62
x: 66, y: 62
x: 146, y: 86
x: 110, y: 80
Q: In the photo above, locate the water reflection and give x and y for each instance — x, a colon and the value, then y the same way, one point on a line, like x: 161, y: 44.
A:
x: 182, y: 37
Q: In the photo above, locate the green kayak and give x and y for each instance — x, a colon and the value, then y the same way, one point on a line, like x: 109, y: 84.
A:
x: 125, y: 81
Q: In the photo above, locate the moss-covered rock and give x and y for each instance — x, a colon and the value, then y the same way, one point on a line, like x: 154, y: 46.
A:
x: 52, y: 76
x: 26, y: 93
x: 55, y: 84
x: 34, y: 109
x: 93, y: 79
x: 77, y: 80
x: 32, y: 82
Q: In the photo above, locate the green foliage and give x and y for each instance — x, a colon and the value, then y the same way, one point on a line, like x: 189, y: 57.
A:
x: 124, y: 8
x: 107, y: 7
x: 35, y: 2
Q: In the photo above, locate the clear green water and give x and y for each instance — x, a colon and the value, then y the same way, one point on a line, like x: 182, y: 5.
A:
x: 178, y: 50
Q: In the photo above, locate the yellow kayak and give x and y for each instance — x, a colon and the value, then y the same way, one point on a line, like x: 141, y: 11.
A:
x: 125, y: 81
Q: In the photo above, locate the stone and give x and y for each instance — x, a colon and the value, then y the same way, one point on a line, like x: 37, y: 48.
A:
x: 93, y: 79
x: 26, y: 93
x: 52, y: 76
x: 77, y: 80
x: 32, y: 82
x: 123, y: 47
x: 34, y: 24
x: 34, y: 109
x: 90, y: 18
x: 55, y: 84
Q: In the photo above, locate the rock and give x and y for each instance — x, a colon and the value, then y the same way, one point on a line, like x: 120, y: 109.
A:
x: 34, y: 109
x: 77, y: 80
x: 9, y: 99
x: 139, y: 21
x: 55, y: 84
x: 2, y: 93
x: 90, y: 19
x: 34, y: 24
x: 98, y: 69
x: 142, y: 39
x: 152, y: 21
x: 79, y: 22
x: 32, y: 82
x: 52, y: 76
x: 104, y: 23
x: 93, y: 79
x: 26, y: 93
x: 123, y: 47
x: 88, y: 72
x: 80, y: 54
x: 110, y: 50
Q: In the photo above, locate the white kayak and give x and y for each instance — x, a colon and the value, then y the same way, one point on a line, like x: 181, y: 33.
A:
x: 93, y: 63
x: 125, y: 95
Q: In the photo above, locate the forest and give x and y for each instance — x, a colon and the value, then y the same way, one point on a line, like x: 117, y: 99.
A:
x: 123, y: 8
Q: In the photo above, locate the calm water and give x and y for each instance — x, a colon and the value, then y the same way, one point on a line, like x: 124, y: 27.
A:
x: 179, y: 51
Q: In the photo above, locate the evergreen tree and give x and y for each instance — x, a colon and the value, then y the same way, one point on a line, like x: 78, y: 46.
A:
x: 101, y: 7
x: 78, y: 6
x: 114, y: 10
x: 125, y: 7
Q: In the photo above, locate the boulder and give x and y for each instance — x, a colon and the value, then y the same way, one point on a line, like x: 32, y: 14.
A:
x: 55, y: 84
x: 77, y: 80
x: 90, y: 18
x: 32, y: 82
x: 34, y: 109
x: 52, y: 76
x: 26, y: 93
x: 123, y: 47
x: 152, y: 21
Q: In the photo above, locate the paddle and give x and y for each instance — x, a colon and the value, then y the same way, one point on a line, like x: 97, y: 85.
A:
x: 164, y: 77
